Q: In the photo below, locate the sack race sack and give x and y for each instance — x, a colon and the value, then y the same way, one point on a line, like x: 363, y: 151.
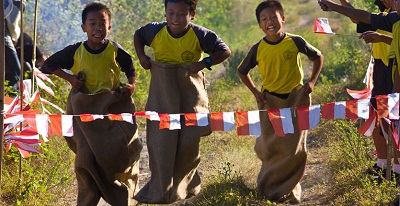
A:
x: 12, y: 15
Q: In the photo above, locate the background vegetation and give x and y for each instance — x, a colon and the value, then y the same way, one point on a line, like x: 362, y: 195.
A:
x: 229, y: 165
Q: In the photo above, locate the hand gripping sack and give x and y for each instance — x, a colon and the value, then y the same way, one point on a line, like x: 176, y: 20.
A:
x: 12, y: 15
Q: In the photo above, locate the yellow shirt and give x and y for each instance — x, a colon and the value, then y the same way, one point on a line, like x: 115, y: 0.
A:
x: 102, y: 70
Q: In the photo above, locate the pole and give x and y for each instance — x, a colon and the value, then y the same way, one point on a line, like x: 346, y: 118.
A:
x: 21, y: 79
x: 34, y: 47
x: 389, y: 152
x: 2, y: 77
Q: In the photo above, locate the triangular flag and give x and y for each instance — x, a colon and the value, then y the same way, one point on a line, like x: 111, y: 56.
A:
x: 222, y: 121
x: 321, y: 25
x: 368, y: 80
x: 196, y: 119
x: 170, y: 121
x: 281, y: 120
x: 334, y: 110
x: 363, y: 94
x: 308, y: 117
x: 248, y: 123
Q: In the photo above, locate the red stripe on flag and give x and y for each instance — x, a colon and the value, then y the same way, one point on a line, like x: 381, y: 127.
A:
x: 275, y: 118
x: 303, y: 116
x: 164, y: 121
x: 242, y: 123
x: 352, y: 109
x: 217, y: 121
x: 382, y: 106
x: 86, y: 117
x: 328, y: 110
x: 190, y: 119
x: 116, y: 117
x: 55, y: 124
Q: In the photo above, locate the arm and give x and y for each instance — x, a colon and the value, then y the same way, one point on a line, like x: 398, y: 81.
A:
x: 375, y: 37
x: 246, y: 79
x: 216, y: 57
x: 72, y: 79
x: 354, y: 14
x: 347, y: 4
x: 317, y: 67
x: 139, y: 47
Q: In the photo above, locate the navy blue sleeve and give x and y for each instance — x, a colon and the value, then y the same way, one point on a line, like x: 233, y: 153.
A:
x: 250, y: 61
x: 305, y: 48
x: 384, y: 21
x: 125, y: 60
x: 147, y: 33
x: 209, y: 40
x: 63, y: 59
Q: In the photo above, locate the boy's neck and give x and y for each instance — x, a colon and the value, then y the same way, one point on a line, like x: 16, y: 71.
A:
x: 96, y: 46
x: 275, y: 38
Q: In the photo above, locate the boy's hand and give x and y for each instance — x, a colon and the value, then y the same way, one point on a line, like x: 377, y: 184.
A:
x: 325, y: 5
x: 260, y: 97
x: 370, y: 37
x: 127, y: 90
x: 196, y: 67
x: 308, y: 87
x: 145, y: 61
x: 76, y: 82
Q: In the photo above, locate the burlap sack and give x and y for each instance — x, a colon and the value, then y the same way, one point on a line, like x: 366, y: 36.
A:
x: 283, y: 158
x: 174, y: 154
x: 107, y: 152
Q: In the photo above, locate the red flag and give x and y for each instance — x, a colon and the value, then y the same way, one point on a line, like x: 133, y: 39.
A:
x: 281, y: 120
x: 248, y: 123
x: 222, y: 121
x: 308, y: 116
x: 321, y: 25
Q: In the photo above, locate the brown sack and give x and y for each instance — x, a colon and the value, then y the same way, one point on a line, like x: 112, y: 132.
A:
x: 174, y: 154
x: 107, y: 152
x: 283, y: 158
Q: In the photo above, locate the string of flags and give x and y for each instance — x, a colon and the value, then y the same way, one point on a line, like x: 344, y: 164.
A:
x: 38, y: 125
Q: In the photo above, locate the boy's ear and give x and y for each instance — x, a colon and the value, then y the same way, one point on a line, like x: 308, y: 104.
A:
x: 283, y: 19
x: 83, y: 27
x: 193, y: 13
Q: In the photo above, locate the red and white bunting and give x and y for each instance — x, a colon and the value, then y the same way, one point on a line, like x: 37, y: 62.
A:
x: 127, y: 117
x: 39, y: 74
x: 334, y: 110
x: 281, y: 120
x: 308, y: 117
x: 222, y: 121
x: 196, y: 119
x: 321, y: 25
x: 90, y: 117
x: 357, y: 109
x: 368, y: 127
x: 151, y: 115
x: 170, y: 121
x: 382, y: 104
x: 248, y: 123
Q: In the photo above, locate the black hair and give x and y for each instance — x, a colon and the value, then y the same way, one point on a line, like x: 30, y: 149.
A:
x: 94, y: 7
x: 192, y: 3
x: 268, y: 4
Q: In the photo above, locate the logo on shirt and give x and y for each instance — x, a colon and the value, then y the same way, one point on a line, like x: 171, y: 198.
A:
x: 287, y: 55
x: 187, y: 56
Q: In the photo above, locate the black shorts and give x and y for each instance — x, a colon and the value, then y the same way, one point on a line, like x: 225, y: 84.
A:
x: 382, y: 78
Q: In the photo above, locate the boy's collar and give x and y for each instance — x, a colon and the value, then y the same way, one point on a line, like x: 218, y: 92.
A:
x: 98, y: 51
x: 180, y: 35
x: 275, y: 42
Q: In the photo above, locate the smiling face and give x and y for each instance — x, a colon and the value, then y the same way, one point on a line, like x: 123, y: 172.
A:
x: 96, y: 26
x: 178, y: 16
x: 271, y: 22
